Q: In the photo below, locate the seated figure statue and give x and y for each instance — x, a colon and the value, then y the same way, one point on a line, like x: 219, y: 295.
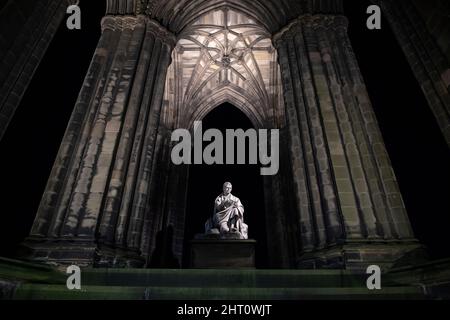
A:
x: 228, y: 218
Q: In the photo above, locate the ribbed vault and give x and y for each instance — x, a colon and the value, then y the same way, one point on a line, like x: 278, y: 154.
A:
x: 224, y: 56
x: 177, y: 14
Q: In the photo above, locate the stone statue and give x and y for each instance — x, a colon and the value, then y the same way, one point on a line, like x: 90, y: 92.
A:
x: 228, y: 218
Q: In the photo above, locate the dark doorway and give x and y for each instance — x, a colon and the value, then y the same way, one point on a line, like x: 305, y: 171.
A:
x: 205, y: 184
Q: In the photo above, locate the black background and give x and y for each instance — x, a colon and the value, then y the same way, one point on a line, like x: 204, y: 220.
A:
x: 335, y: 309
x: 418, y: 151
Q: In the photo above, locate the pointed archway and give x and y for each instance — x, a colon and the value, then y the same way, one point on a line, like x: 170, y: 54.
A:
x: 205, y: 184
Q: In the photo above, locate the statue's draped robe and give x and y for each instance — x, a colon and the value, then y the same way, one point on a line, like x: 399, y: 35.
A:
x: 228, y: 211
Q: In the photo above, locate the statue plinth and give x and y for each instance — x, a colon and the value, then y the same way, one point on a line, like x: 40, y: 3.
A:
x: 214, y: 253
x: 225, y: 244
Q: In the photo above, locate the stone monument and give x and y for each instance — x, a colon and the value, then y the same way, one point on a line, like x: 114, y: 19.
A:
x: 225, y: 242
x: 227, y: 221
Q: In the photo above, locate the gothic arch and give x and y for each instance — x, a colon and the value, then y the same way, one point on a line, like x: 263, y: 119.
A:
x: 236, y: 98
x: 224, y: 56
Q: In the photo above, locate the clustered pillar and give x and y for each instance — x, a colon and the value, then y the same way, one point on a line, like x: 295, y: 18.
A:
x: 96, y: 201
x: 346, y: 193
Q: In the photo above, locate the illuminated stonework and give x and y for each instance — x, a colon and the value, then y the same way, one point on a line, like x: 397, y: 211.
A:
x: 114, y: 194
x: 224, y: 56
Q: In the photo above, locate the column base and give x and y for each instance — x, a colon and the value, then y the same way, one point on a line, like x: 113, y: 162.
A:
x: 83, y: 253
x: 358, y: 255
x: 58, y: 252
x: 109, y: 257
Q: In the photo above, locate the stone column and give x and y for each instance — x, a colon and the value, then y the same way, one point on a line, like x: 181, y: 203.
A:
x: 428, y: 62
x: 98, y: 190
x: 27, y: 29
x: 346, y: 193
x: 170, y: 186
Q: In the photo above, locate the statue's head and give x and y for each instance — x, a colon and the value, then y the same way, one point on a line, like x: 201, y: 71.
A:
x: 227, y: 187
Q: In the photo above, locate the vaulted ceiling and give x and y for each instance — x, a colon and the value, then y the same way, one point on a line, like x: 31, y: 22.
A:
x: 177, y: 14
x: 224, y: 53
x: 224, y: 56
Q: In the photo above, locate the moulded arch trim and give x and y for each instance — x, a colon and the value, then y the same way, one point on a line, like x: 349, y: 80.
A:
x: 233, y: 97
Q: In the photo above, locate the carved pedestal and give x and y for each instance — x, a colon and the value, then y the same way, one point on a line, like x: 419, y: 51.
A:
x: 223, y: 254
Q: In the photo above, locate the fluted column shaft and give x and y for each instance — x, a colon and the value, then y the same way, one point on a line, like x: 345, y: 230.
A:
x: 99, y: 185
x: 344, y: 183
x: 55, y: 200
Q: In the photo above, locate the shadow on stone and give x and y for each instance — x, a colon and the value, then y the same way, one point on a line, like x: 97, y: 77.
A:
x: 163, y: 256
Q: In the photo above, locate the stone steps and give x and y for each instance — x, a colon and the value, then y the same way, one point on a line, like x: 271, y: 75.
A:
x: 30, y: 281
x: 224, y: 278
x: 15, y: 270
x: 60, y: 292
